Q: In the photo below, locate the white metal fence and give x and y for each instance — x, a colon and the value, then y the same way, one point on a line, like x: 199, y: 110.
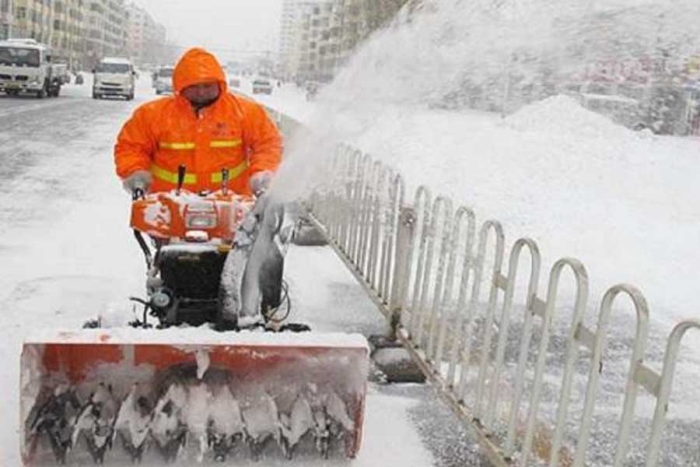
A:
x: 440, y: 277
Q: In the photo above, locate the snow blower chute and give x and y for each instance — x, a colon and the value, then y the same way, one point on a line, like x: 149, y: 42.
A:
x: 176, y: 390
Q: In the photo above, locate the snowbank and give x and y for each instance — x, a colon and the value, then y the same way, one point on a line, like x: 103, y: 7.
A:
x: 563, y: 115
x: 577, y: 183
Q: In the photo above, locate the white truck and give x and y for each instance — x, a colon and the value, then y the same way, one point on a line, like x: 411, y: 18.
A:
x: 25, y: 66
x: 114, y: 77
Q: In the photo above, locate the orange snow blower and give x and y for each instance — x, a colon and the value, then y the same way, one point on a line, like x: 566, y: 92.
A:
x: 217, y: 370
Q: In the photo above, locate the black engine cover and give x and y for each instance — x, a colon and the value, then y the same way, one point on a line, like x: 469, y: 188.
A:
x: 192, y: 273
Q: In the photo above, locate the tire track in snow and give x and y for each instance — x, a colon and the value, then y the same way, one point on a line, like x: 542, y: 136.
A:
x: 20, y: 109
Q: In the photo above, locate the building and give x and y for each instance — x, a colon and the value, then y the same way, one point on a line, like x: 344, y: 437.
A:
x: 105, y: 30
x: 309, y: 32
x: 82, y: 32
x: 291, y: 34
x: 66, y: 31
x: 32, y: 18
x: 318, y: 36
x: 315, y: 61
x: 146, y: 38
x: 6, y: 19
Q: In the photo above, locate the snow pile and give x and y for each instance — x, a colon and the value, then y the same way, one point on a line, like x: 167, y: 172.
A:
x: 563, y: 115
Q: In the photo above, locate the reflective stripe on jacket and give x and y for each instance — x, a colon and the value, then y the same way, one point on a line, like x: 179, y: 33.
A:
x: 234, y: 133
x: 159, y: 173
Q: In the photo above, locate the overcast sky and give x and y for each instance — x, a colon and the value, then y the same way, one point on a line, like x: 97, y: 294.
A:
x: 242, y: 26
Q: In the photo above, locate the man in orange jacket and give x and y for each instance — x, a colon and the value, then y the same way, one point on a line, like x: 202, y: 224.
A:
x: 207, y: 129
x: 203, y: 127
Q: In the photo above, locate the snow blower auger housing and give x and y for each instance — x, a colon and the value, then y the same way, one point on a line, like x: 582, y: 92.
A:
x: 173, y: 393
x: 119, y: 396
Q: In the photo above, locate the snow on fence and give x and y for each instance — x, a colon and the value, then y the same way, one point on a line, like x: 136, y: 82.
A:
x: 526, y: 387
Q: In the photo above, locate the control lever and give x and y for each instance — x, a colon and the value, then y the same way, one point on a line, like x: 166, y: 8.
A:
x: 138, y: 194
x: 225, y: 178
x: 181, y: 171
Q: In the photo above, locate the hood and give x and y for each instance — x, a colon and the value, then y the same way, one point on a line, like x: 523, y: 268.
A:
x: 20, y: 70
x: 198, y: 66
x: 114, y: 77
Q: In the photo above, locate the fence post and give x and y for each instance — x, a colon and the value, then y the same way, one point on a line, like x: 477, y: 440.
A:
x: 665, y: 382
x: 406, y: 224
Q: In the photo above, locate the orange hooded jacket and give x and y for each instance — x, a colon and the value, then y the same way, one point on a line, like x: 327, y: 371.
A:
x: 233, y: 133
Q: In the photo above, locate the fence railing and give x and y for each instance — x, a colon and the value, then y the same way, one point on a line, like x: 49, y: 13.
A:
x: 502, y: 365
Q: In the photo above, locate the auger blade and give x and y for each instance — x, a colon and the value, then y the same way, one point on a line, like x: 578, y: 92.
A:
x: 144, y: 396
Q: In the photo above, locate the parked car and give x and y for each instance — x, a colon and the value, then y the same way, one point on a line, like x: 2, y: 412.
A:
x: 163, y: 82
x: 234, y: 82
x: 262, y: 86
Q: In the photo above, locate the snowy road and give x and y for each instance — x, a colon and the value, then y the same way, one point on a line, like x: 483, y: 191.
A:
x: 68, y: 255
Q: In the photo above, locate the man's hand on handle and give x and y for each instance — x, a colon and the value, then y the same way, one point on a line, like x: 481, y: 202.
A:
x: 260, y: 182
x: 139, y: 180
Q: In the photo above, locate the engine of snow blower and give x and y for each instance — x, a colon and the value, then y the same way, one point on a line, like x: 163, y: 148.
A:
x: 214, y: 258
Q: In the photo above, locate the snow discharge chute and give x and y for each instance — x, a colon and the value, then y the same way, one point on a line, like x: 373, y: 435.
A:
x: 96, y: 396
x: 174, y: 390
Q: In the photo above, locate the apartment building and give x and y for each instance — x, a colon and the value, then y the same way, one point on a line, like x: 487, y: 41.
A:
x: 32, y: 19
x: 145, y: 37
x: 82, y: 32
x: 318, y: 36
x: 292, y: 34
x: 6, y: 19
x: 66, y: 31
x: 105, y: 30
x: 308, y: 39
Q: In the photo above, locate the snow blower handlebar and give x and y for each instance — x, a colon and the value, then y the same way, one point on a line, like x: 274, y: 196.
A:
x: 136, y: 195
x: 181, y: 172
x: 225, y: 177
x: 139, y: 194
